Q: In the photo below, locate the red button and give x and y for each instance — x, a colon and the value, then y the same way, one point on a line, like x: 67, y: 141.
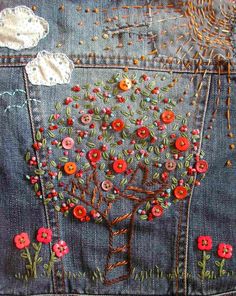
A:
x: 143, y: 132
x: 182, y: 144
x: 118, y: 125
x: 168, y: 116
x: 201, y: 166
x: 86, y: 118
x: 68, y: 143
x: 94, y: 155
x: 157, y: 211
x: 107, y: 185
x: 119, y: 166
x: 79, y: 212
x: 180, y: 192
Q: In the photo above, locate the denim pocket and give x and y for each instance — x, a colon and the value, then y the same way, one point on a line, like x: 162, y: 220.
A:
x: 118, y: 146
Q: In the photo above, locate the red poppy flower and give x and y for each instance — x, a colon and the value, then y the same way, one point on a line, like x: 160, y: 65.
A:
x: 119, y: 166
x: 94, y: 155
x: 22, y: 240
x: 225, y: 251
x: 204, y: 243
x: 60, y: 249
x: 118, y: 125
x: 44, y: 235
x: 143, y: 132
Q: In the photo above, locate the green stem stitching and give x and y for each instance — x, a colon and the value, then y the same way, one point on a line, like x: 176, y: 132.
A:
x: 202, y: 264
x: 48, y: 267
x: 36, y: 260
x: 221, y: 266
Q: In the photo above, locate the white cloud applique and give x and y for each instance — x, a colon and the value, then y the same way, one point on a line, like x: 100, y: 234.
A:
x: 49, y: 69
x: 20, y: 28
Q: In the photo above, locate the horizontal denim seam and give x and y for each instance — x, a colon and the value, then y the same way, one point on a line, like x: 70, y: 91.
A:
x: 120, y: 61
x: 103, y: 66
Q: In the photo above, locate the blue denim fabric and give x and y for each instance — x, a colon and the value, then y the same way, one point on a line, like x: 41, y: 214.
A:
x: 168, y: 244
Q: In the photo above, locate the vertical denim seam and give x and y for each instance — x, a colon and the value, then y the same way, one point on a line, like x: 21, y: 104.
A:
x: 191, y: 195
x: 38, y: 159
x: 177, y: 244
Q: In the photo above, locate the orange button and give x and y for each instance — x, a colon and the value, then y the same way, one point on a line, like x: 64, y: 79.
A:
x: 168, y: 116
x: 180, y: 192
x: 119, y: 166
x: 125, y: 84
x: 79, y: 212
x: 118, y: 125
x: 70, y: 168
x: 182, y: 144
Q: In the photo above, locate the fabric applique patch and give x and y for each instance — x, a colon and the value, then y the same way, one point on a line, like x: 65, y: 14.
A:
x: 20, y: 28
x: 49, y: 69
x: 95, y: 156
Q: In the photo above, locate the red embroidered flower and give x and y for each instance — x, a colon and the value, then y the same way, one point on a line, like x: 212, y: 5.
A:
x: 143, y: 132
x: 204, y: 243
x: 60, y: 249
x: 225, y: 251
x: 22, y: 240
x: 44, y: 235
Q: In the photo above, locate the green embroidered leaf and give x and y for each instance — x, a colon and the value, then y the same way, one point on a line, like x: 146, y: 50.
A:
x: 123, y: 182
x: 39, y: 172
x: 36, y: 187
x: 59, y: 175
x: 91, y: 144
x: 200, y: 263
x: 51, y: 134
x: 38, y: 136
x: 105, y: 155
x: 63, y: 159
x: 143, y: 217
x: 217, y: 263
x: 35, y: 246
x: 53, y: 163
x: 27, y: 156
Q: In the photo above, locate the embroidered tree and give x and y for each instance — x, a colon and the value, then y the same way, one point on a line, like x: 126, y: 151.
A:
x: 113, y: 151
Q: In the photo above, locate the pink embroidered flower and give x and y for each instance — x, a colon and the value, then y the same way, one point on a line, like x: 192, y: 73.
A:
x: 60, y: 249
x: 44, y: 235
x: 22, y: 240
x: 225, y: 251
x: 204, y: 243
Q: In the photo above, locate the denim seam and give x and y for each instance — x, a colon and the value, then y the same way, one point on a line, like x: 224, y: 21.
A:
x: 37, y: 156
x: 191, y: 195
x: 164, y: 68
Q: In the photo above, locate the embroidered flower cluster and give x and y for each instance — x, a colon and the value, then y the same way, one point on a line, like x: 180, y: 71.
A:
x: 98, y: 129
x: 33, y: 259
x: 224, y: 251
